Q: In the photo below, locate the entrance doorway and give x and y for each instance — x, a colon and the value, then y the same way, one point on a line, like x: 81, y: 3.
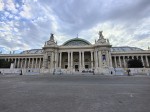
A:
x: 76, y: 68
x: 66, y: 66
x: 86, y: 66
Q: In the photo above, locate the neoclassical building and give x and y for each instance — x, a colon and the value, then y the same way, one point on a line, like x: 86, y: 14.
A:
x: 77, y: 55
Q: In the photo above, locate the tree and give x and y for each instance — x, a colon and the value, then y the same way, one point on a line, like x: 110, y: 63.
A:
x: 135, y: 63
x: 4, y: 63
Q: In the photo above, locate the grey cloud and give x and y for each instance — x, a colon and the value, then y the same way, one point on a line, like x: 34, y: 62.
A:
x: 142, y: 36
x: 11, y: 44
x: 77, y: 15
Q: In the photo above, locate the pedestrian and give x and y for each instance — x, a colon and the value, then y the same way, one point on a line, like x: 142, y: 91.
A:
x: 111, y: 72
x: 93, y: 72
x: 21, y: 72
x: 128, y: 71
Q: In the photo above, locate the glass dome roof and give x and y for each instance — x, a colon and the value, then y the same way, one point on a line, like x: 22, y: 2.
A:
x: 76, y: 42
x: 113, y: 49
x: 32, y: 51
x: 125, y: 49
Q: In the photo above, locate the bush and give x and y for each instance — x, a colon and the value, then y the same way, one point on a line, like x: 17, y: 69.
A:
x: 4, y: 63
x: 135, y: 63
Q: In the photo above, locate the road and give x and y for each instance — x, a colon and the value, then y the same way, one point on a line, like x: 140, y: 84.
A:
x: 45, y: 93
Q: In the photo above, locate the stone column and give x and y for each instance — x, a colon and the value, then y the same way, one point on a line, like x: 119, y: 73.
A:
x: 110, y: 58
x: 40, y: 63
x: 25, y: 65
x: 115, y: 61
x: 99, y: 59
x: 147, y: 63
x: 32, y: 62
x: 83, y: 60
x: 124, y: 61
x: 60, y: 57
x: 18, y: 62
x: 29, y: 63
x: 21, y: 63
x: 52, y: 60
x: 36, y: 63
x: 55, y: 60
x: 142, y: 60
x: 68, y: 59
x: 45, y: 60
x: 71, y: 60
x: 15, y: 63
x: 96, y: 60
x: 80, y: 59
x: 92, y: 59
x: 128, y: 57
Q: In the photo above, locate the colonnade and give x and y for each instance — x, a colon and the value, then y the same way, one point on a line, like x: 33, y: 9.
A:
x: 121, y: 61
x: 95, y: 59
x: 33, y: 62
x: 81, y: 59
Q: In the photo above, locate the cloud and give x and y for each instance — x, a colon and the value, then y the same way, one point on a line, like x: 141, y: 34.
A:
x: 1, y: 5
x: 10, y: 6
x: 23, y: 22
x: 122, y: 34
x: 81, y: 15
x: 26, y: 12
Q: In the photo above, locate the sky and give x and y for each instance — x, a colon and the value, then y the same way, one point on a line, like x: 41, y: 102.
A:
x: 27, y: 24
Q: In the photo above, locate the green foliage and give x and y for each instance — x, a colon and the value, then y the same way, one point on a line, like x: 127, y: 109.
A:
x: 4, y: 63
x: 135, y: 63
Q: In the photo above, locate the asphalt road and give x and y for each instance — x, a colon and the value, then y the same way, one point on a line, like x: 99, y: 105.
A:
x: 38, y: 93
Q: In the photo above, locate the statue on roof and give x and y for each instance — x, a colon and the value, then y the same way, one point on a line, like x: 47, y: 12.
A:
x: 101, y: 39
x: 51, y: 41
x: 101, y: 35
x: 52, y: 37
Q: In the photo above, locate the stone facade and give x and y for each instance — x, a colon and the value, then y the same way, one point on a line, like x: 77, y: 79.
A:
x: 78, y: 55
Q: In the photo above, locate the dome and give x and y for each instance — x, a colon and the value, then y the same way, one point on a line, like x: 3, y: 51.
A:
x: 125, y: 49
x: 32, y: 51
x: 76, y: 42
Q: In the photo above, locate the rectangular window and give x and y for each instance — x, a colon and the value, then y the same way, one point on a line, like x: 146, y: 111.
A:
x: 103, y: 57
